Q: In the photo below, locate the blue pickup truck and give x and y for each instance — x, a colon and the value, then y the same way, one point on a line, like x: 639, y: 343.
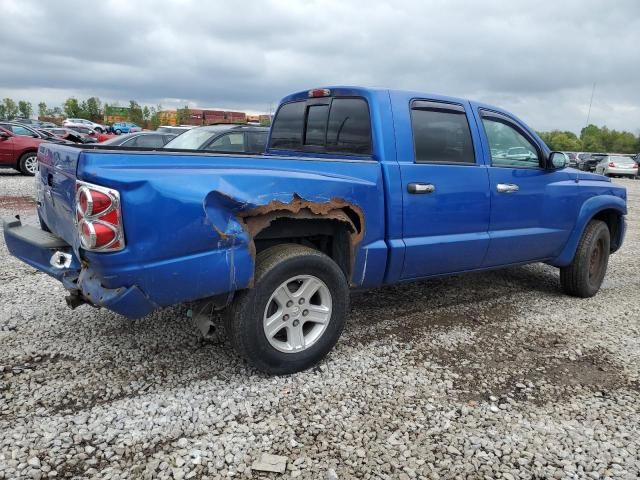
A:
x: 358, y: 188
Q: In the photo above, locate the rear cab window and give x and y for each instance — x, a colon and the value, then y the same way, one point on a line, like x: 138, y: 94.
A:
x: 339, y: 125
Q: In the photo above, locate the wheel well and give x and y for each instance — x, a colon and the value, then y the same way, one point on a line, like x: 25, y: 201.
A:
x: 22, y: 155
x: 332, y: 237
x: 613, y: 219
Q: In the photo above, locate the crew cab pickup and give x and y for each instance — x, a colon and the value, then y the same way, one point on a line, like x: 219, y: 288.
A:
x: 358, y: 188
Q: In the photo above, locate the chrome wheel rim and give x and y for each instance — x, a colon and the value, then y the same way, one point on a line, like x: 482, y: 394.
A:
x: 31, y: 164
x: 297, y: 314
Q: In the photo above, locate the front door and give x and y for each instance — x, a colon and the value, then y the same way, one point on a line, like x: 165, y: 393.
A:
x: 532, y: 207
x: 445, y: 190
x: 6, y: 150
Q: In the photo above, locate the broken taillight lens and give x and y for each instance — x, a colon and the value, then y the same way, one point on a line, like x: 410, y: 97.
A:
x: 98, y: 218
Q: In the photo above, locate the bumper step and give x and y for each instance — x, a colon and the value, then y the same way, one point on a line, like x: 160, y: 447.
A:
x: 32, y: 235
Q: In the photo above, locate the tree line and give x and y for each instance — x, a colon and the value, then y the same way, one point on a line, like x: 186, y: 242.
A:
x: 592, y: 139
x: 91, y: 108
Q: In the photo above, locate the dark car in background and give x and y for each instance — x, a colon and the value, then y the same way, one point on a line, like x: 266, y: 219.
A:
x: 71, y: 135
x: 588, y: 161
x: 140, y: 140
x: 223, y: 138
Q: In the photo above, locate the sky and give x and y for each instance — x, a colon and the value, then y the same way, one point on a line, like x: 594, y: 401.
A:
x: 539, y: 59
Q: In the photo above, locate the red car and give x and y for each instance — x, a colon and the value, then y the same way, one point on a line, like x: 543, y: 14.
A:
x: 19, y: 151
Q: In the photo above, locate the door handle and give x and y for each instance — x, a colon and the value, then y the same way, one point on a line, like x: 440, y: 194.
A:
x: 421, y: 188
x: 507, y: 188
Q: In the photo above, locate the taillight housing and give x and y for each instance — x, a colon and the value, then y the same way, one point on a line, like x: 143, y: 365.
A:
x: 98, y: 218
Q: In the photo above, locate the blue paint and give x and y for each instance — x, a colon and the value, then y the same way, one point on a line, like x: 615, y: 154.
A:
x: 185, y: 239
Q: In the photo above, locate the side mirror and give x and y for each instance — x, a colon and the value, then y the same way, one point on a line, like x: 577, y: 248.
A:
x: 4, y: 136
x: 557, y: 160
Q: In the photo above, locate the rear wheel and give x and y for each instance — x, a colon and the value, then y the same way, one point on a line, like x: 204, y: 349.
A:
x: 295, y: 313
x: 583, y: 277
x: 118, y: 132
x: 28, y: 163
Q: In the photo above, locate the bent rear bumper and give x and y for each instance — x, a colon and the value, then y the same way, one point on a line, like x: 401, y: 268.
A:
x: 37, y: 248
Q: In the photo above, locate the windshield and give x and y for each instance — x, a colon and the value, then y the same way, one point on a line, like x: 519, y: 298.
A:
x: 195, y: 138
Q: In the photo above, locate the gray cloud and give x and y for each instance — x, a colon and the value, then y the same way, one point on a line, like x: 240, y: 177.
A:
x: 538, y: 60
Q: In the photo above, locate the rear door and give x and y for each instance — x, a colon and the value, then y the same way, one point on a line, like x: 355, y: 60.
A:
x: 444, y: 187
x: 533, y: 209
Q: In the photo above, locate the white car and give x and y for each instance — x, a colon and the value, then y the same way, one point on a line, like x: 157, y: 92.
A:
x: 617, y: 165
x: 81, y: 122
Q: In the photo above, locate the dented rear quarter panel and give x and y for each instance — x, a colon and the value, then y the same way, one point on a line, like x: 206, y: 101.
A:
x: 183, y: 216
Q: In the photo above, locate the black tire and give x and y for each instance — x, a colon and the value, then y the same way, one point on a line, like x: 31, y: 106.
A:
x: 26, y: 163
x: 244, y: 317
x: 99, y: 130
x: 583, y: 277
x: 118, y: 132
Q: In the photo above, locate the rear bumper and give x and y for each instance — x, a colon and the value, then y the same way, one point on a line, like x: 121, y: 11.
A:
x: 630, y: 172
x: 37, y: 248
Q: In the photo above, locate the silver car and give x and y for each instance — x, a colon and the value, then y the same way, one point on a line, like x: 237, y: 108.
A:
x: 616, y: 165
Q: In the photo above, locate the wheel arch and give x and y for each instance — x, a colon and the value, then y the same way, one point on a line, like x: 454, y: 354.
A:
x: 608, y: 208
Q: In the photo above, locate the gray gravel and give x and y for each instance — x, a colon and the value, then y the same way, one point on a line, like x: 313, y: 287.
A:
x: 493, y: 375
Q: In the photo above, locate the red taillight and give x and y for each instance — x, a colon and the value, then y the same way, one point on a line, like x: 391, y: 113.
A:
x: 611, y: 164
x: 98, y: 218
x: 319, y: 92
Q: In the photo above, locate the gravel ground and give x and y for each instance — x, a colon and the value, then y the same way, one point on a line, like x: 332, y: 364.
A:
x: 493, y: 375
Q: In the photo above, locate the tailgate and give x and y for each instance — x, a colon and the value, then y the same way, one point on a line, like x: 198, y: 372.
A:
x: 55, y: 188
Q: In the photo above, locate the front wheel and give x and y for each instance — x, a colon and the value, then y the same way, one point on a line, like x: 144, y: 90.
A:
x: 118, y: 132
x: 294, y: 314
x: 583, y: 277
x: 28, y: 163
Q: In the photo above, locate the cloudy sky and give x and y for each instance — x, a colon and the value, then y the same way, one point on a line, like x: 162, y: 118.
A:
x: 538, y: 59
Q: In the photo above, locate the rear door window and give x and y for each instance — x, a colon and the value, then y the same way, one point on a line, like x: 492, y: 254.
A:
x: 441, y: 133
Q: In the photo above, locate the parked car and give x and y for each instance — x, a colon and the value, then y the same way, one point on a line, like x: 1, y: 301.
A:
x: 176, y: 130
x: 140, y: 140
x: 81, y: 122
x: 125, y: 127
x: 617, y: 166
x: 358, y: 188
x: 98, y: 136
x: 72, y: 135
x: 223, y: 138
x: 588, y: 161
x: 572, y: 158
x: 28, y: 131
x: 19, y: 151
x: 52, y: 137
x: 47, y: 125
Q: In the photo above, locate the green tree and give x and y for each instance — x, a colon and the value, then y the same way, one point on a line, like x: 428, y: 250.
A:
x: 10, y: 108
x: 72, y: 108
x: 146, y: 113
x: 182, y: 115
x: 25, y: 109
x: 3, y: 111
x: 94, y: 109
x: 155, y: 116
x: 135, y: 112
x: 563, y: 141
x: 42, y: 110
